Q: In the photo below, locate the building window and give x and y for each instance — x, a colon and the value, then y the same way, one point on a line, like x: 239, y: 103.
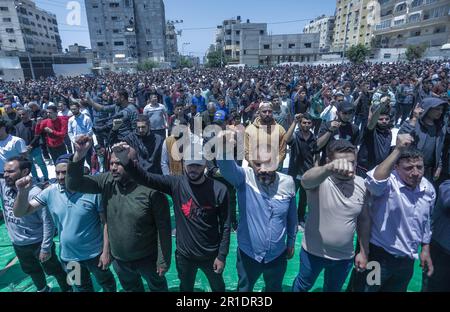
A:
x: 399, y: 22
x: 415, y: 33
x: 237, y: 53
x: 114, y: 5
x: 280, y: 45
x: 238, y: 42
x: 118, y: 43
x: 414, y: 18
x: 10, y: 30
x: 308, y: 45
x: 1, y: 72
x: 116, y: 31
x: 37, y: 17
x: 95, y: 6
x: 401, y: 7
x: 114, y: 18
x: 238, y: 32
x: 7, y: 19
x: 5, y: 9
x: 261, y: 32
x: 100, y: 44
x: 291, y: 45
x: 266, y: 46
x: 12, y: 40
x: 440, y: 29
x: 245, y: 52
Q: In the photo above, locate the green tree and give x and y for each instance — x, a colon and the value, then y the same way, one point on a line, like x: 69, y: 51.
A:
x: 147, y: 65
x: 357, y: 54
x: 216, y: 59
x: 185, y: 62
x: 415, y: 52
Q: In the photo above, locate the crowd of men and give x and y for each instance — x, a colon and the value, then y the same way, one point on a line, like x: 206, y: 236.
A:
x: 368, y: 148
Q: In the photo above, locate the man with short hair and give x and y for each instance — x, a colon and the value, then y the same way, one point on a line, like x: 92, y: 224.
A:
x: 10, y: 145
x: 265, y: 130
x: 268, y: 224
x: 342, y: 128
x: 401, y: 205
x: 199, y: 101
x: 26, y: 131
x: 79, y: 224
x: 79, y: 124
x: 202, y: 216
x: 55, y: 129
x: 31, y: 236
x: 124, y: 114
x: 157, y: 116
x: 336, y: 201
x: 138, y: 220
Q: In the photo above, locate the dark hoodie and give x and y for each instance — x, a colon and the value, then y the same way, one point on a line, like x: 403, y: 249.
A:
x: 422, y: 137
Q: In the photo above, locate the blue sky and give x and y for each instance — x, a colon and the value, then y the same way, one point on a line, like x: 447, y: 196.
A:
x: 207, y: 14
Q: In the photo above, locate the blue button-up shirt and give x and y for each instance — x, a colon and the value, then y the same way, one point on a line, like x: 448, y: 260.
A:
x: 401, y: 216
x: 79, y: 125
x: 268, y: 217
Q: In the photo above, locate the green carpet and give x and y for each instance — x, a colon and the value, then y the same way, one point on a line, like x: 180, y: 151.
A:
x: 13, y: 279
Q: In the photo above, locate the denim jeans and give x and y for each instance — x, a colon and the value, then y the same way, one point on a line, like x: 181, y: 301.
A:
x: 440, y: 280
x: 29, y: 262
x: 104, y: 278
x: 36, y: 157
x: 249, y: 270
x: 187, y: 271
x: 130, y: 274
x: 396, y: 272
x: 336, y: 272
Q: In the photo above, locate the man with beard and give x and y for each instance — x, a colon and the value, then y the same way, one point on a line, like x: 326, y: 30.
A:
x: 148, y: 146
x: 202, y: 216
x: 31, y: 236
x: 400, y: 217
x: 138, y: 220
x: 336, y: 201
x: 268, y: 223
x: 265, y: 130
x: 341, y: 128
x: 78, y: 218
x: 376, y: 139
x: 428, y: 129
x: 124, y: 114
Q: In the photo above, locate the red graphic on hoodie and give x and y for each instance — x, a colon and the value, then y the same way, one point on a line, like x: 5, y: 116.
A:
x: 186, y: 208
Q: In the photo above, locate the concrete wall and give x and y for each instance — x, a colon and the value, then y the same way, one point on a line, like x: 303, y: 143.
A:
x: 72, y: 70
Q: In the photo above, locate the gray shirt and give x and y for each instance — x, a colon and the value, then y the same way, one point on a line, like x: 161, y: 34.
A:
x: 35, y: 228
x: 157, y: 116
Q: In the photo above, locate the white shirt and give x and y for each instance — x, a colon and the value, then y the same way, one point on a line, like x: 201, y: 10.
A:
x: 10, y: 147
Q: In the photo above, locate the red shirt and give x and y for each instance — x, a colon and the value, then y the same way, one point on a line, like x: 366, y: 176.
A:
x: 59, y: 127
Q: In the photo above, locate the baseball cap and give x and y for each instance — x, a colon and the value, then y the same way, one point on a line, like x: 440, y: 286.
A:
x: 345, y: 106
x: 219, y: 115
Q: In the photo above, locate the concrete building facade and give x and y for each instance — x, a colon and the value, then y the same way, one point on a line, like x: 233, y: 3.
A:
x: 171, y: 44
x: 416, y: 22
x: 324, y: 26
x: 354, y: 23
x: 127, y: 30
x: 27, y: 28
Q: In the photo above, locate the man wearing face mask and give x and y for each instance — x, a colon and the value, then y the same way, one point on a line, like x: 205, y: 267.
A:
x: 202, y: 216
x: 268, y: 215
x: 400, y: 213
x: 342, y: 128
x: 376, y: 139
x: 336, y: 201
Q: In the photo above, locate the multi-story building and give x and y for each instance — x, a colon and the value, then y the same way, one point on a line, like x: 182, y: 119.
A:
x: 27, y: 28
x: 229, y: 37
x: 130, y: 30
x: 353, y: 24
x: 416, y: 22
x: 324, y: 26
x: 171, y: 44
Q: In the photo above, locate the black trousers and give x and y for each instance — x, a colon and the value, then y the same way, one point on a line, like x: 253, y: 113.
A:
x: 55, y: 152
x: 29, y: 262
x: 131, y: 273
x: 187, y: 271
x: 440, y: 280
x: 302, y: 203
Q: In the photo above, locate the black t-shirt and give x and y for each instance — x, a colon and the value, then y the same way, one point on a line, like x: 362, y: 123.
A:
x: 429, y: 148
x: 375, y: 147
x: 348, y: 131
x: 302, y: 154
